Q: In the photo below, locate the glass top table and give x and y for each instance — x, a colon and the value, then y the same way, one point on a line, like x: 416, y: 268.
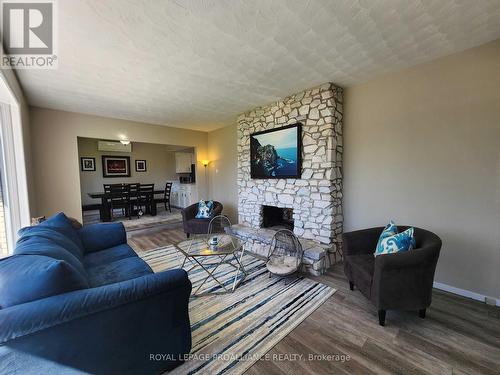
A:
x: 206, y: 253
x: 201, y: 246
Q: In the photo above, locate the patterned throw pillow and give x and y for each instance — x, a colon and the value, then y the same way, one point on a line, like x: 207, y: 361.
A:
x: 204, y: 209
x: 390, y: 230
x: 399, y: 242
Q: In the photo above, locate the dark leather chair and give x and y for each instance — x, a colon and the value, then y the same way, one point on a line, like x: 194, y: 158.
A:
x: 192, y: 225
x: 400, y: 281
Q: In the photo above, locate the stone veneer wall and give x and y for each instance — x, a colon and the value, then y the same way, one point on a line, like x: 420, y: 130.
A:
x: 316, y: 198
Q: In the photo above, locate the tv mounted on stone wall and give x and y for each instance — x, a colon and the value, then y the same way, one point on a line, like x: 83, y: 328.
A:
x: 276, y: 153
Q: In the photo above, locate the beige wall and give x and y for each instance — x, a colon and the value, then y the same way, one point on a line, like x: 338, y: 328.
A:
x: 422, y: 147
x: 223, y: 169
x: 55, y: 153
x: 160, y: 166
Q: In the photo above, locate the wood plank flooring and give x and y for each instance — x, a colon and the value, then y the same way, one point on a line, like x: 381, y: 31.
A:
x: 458, y: 336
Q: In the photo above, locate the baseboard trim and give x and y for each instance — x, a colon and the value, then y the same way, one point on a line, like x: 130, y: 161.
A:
x: 463, y: 292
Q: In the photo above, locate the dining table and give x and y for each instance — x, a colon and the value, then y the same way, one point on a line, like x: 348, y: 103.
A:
x: 105, y: 209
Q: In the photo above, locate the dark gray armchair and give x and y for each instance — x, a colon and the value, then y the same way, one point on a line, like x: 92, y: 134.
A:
x: 401, y: 281
x: 192, y: 225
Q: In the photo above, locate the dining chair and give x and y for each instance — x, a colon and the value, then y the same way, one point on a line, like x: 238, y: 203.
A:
x: 145, y: 198
x: 119, y: 199
x: 133, y: 197
x: 106, y: 199
x: 166, y: 196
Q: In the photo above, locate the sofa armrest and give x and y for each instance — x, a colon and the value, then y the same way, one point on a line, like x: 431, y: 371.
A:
x: 417, y: 258
x: 189, y: 212
x: 216, y: 211
x: 96, y: 237
x: 109, y: 329
x: 361, y: 241
x: 404, y: 280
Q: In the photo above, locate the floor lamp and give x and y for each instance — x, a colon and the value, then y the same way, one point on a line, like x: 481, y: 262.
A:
x: 205, y: 164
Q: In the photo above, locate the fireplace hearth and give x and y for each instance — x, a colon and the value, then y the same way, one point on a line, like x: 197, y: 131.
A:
x: 277, y: 217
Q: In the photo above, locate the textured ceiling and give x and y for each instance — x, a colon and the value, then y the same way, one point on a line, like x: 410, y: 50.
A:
x: 197, y: 64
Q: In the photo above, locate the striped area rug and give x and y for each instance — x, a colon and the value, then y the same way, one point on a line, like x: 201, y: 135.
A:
x: 232, y: 331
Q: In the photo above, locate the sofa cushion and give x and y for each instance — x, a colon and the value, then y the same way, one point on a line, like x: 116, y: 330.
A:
x: 25, y: 278
x: 97, y: 237
x: 61, y: 223
x: 120, y: 270
x: 198, y: 225
x: 36, y: 245
x: 359, y: 270
x: 106, y: 256
x: 51, y: 235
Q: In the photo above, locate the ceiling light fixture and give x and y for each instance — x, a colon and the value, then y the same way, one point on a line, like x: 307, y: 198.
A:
x: 125, y: 142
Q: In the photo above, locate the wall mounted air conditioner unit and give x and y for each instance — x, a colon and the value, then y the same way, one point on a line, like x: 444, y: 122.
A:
x: 113, y: 146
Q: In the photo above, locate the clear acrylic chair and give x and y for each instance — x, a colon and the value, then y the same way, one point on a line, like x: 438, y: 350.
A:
x: 219, y: 224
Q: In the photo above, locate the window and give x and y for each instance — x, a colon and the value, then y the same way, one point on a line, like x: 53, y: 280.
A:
x: 3, y: 229
x: 6, y: 230
x: 14, y: 203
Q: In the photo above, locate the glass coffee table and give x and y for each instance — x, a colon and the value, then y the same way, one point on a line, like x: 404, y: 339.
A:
x: 209, y: 257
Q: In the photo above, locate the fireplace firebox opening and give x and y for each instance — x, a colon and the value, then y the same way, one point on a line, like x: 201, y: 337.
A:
x: 277, y: 217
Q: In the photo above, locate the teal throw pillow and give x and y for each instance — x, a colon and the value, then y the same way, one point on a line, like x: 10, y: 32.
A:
x: 396, y: 243
x: 390, y: 230
x: 204, y: 209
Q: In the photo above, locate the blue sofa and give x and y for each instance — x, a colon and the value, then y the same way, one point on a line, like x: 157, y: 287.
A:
x: 82, y: 301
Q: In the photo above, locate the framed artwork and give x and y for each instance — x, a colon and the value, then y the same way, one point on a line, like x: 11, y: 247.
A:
x: 140, y: 165
x: 115, y: 166
x: 276, y: 153
x: 87, y: 164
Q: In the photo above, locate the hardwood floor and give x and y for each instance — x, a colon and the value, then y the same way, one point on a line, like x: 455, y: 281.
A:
x: 458, y: 336
x: 156, y: 238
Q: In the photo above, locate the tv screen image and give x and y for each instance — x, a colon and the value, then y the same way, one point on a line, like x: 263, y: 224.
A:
x: 276, y: 153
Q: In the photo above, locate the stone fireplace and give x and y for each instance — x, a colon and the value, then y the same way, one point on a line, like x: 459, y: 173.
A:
x: 316, y: 197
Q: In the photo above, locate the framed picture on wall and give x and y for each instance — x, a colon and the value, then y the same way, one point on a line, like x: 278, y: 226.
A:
x: 276, y: 153
x: 140, y: 165
x: 87, y: 164
x: 115, y: 166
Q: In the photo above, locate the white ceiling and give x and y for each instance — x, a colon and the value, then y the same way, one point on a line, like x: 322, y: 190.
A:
x: 197, y: 64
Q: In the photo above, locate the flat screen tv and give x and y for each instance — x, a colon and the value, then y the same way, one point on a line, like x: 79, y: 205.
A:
x: 276, y: 153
